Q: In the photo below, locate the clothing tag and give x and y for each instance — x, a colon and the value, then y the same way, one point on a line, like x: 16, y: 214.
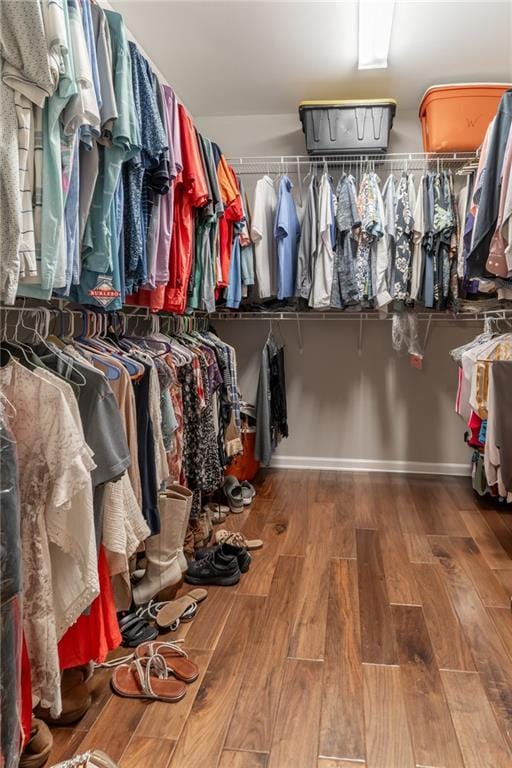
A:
x: 416, y: 361
x: 104, y: 292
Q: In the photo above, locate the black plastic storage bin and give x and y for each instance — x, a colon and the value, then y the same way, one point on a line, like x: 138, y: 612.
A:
x: 351, y: 126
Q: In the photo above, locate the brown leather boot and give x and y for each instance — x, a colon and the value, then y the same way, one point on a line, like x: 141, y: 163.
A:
x: 38, y: 747
x: 193, y: 538
x: 76, y: 698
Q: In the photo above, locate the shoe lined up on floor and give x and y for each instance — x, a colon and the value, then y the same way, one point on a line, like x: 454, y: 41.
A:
x: 176, y: 659
x: 75, y: 695
x: 156, y: 670
x: 243, y: 557
x: 220, y: 566
x: 170, y: 614
x: 237, y: 538
x: 217, y: 512
x: 233, y: 493
x: 167, y: 553
x: 165, y: 558
x: 136, y: 627
x: 38, y: 747
x: 147, y: 678
x: 248, y: 492
x: 92, y: 759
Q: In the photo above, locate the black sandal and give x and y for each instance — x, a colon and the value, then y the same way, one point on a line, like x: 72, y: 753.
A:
x: 135, y: 630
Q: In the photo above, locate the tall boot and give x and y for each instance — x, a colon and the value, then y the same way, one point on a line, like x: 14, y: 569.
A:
x: 163, y: 566
x: 187, y: 495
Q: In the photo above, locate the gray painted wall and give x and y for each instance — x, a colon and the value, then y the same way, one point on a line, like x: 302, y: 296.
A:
x: 343, y: 406
x: 282, y: 134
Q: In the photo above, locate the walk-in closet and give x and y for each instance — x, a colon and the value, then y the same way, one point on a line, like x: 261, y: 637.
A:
x: 255, y: 384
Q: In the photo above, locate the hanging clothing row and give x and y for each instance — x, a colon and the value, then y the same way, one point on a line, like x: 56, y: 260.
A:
x: 370, y: 246
x: 485, y: 205
x: 111, y: 195
x: 95, y: 426
x: 271, y: 408
x: 485, y: 403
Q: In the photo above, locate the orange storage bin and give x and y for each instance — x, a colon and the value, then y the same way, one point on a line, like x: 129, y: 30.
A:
x: 245, y: 466
x: 454, y: 118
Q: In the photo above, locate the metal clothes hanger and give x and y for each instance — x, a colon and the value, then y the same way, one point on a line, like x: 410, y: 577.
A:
x: 4, y: 348
x: 4, y: 401
x: 23, y: 348
x: 43, y: 315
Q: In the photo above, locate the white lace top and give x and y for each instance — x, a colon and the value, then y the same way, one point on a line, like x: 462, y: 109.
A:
x: 54, y: 466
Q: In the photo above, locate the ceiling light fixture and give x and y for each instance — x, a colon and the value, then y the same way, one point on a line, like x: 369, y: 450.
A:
x: 375, y: 23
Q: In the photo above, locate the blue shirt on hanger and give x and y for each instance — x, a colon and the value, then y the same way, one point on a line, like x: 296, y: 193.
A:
x: 287, y: 234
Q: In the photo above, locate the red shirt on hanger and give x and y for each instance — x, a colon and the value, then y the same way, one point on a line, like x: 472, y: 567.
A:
x: 191, y: 191
x: 233, y: 211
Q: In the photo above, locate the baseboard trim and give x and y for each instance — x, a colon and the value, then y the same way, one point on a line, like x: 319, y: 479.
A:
x: 370, y: 465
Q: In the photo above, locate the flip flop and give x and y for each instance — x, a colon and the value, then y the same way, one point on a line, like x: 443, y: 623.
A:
x: 135, y: 630
x: 237, y: 539
x: 147, y: 678
x: 182, y: 609
x: 175, y: 657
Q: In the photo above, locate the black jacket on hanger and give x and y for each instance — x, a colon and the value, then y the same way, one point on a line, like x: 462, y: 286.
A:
x: 488, y: 208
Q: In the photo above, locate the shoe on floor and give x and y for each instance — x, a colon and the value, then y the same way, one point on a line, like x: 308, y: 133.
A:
x: 237, y: 539
x: 220, y: 569
x: 206, y: 525
x: 194, y: 538
x: 217, y: 512
x: 248, y: 492
x: 243, y: 557
x: 93, y: 759
x: 38, y: 747
x: 233, y: 493
x: 76, y: 699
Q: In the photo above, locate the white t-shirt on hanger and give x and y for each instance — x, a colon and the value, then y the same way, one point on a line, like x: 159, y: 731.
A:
x: 262, y: 234
x: 320, y: 297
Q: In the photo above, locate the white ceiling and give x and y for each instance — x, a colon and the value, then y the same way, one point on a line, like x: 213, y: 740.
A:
x: 241, y: 58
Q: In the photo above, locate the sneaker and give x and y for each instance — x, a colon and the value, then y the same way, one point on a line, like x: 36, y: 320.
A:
x: 220, y: 569
x: 243, y: 557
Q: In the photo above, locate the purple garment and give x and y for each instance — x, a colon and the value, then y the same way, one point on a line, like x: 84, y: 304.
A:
x: 214, y: 375
x: 172, y: 127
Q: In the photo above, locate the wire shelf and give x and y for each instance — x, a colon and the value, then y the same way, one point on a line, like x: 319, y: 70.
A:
x: 144, y: 313
x: 257, y: 164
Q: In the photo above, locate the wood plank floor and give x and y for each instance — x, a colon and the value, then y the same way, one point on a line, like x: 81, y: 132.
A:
x: 373, y: 631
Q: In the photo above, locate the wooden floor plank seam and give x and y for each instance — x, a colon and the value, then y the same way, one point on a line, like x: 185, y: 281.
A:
x: 410, y: 605
x: 249, y: 751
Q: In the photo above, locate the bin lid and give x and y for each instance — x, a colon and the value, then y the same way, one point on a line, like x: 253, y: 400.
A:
x: 347, y: 103
x: 461, y: 86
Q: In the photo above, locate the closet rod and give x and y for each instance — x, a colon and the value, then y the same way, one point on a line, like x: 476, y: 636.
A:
x: 431, y: 316
x: 143, y: 313
x: 452, y: 157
